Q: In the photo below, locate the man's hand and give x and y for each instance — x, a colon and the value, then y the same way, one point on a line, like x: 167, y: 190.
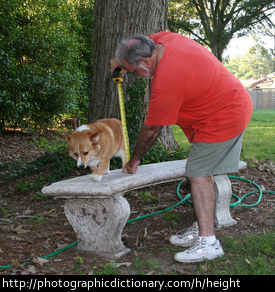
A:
x: 131, y: 166
x: 114, y: 64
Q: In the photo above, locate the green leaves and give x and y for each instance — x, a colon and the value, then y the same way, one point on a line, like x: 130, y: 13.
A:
x: 42, y: 74
x: 254, y: 63
x: 214, y: 23
x: 134, y: 108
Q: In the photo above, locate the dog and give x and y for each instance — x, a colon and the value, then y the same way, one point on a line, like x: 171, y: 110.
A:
x: 95, y: 144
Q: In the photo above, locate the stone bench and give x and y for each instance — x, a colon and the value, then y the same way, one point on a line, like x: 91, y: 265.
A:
x: 98, y: 211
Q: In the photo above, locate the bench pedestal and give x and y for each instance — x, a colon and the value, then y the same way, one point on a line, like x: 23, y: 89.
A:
x: 98, y: 212
x: 98, y: 224
x: 223, y: 192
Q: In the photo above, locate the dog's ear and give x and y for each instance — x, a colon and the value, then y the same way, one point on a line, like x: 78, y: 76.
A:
x: 67, y: 135
x: 95, y: 137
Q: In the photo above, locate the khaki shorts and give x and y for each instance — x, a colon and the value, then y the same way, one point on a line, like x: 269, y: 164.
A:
x: 207, y: 159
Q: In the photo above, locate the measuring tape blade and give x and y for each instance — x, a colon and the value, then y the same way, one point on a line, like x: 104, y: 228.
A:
x: 123, y: 121
x: 118, y: 80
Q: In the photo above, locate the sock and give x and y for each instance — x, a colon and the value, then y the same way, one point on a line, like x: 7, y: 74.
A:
x: 210, y: 239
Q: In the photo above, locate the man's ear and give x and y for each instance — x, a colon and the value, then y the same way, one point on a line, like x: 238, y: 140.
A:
x: 146, y: 62
x: 67, y: 135
x: 94, y: 137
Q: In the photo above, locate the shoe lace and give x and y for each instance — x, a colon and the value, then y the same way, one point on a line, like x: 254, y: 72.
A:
x: 193, y: 231
x: 197, y: 245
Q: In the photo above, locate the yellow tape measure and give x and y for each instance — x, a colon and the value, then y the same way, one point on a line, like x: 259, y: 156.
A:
x: 118, y: 80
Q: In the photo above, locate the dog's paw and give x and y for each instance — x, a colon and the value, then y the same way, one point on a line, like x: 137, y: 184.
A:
x: 107, y: 171
x: 96, y: 177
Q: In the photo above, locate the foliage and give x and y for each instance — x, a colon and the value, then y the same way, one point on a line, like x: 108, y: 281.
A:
x: 147, y: 198
x: 134, y: 108
x: 214, y: 23
x: 41, y: 61
x: 85, y: 17
x: 254, y: 63
x: 159, y: 154
x: 170, y: 216
x: 181, y: 14
x: 48, y: 168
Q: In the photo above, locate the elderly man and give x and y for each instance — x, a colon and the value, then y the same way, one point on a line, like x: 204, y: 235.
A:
x: 192, y: 89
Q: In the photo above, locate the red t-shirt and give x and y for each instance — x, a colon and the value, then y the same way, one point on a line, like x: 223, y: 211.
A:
x: 191, y: 88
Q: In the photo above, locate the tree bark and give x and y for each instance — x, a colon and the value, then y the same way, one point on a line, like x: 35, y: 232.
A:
x: 115, y: 20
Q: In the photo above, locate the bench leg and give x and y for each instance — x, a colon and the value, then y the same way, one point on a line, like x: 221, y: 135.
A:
x: 98, y: 224
x: 223, y: 193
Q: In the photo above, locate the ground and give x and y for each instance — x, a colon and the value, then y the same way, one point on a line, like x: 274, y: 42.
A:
x: 32, y: 227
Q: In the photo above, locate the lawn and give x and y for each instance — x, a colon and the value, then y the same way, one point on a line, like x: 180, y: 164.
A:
x: 42, y: 228
x: 258, y: 141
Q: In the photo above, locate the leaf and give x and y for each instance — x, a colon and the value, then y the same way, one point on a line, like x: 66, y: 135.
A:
x: 57, y: 233
x: 30, y: 270
x: 16, y: 264
x: 12, y: 237
x: 204, y: 267
x: 127, y: 264
x: 20, y: 230
x: 40, y: 261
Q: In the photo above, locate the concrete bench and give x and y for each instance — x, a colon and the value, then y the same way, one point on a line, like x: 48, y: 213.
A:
x: 98, y: 211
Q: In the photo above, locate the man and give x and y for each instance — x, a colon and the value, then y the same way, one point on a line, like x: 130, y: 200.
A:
x: 192, y: 89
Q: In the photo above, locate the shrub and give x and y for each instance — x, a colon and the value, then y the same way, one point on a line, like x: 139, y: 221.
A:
x: 39, y: 62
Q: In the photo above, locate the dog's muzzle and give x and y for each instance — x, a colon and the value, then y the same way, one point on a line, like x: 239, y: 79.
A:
x: 82, y: 166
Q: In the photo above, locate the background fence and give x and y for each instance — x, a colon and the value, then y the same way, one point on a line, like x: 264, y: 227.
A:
x: 263, y: 98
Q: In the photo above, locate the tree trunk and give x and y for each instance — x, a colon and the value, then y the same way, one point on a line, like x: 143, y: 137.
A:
x: 217, y: 50
x: 115, y: 20
x: 167, y: 138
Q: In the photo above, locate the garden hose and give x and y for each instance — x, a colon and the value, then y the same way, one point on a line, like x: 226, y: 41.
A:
x: 182, y: 200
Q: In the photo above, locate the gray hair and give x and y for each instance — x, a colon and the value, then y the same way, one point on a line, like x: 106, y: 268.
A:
x: 135, y: 48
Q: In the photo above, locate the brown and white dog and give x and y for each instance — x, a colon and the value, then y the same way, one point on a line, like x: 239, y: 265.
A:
x: 95, y: 144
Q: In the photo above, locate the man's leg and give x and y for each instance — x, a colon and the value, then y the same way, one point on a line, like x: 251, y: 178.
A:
x: 205, y: 160
x: 203, y: 198
x: 207, y: 246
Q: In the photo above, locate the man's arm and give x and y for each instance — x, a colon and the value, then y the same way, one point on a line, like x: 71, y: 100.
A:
x: 146, y: 138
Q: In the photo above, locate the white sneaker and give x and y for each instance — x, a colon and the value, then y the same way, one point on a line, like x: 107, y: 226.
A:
x: 186, y: 237
x: 200, y: 251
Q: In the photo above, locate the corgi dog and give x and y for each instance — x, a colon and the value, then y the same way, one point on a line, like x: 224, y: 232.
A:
x: 95, y: 144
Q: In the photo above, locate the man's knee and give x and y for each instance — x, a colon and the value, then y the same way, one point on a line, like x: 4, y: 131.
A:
x: 200, y: 180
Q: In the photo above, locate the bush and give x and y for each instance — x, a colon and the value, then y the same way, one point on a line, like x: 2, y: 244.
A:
x: 40, y: 55
x: 134, y: 108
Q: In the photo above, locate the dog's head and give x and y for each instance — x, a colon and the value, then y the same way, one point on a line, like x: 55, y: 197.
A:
x: 83, y: 146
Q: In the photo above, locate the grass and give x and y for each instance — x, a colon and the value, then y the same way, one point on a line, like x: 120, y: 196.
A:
x: 247, y: 254
x: 258, y: 141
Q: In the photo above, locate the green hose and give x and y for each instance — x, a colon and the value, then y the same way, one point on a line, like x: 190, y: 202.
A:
x: 182, y: 200
x: 239, y: 200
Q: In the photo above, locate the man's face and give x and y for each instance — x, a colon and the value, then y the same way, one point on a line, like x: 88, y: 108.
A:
x: 142, y: 69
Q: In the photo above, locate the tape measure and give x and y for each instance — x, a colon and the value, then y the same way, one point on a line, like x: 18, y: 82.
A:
x: 118, y: 80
